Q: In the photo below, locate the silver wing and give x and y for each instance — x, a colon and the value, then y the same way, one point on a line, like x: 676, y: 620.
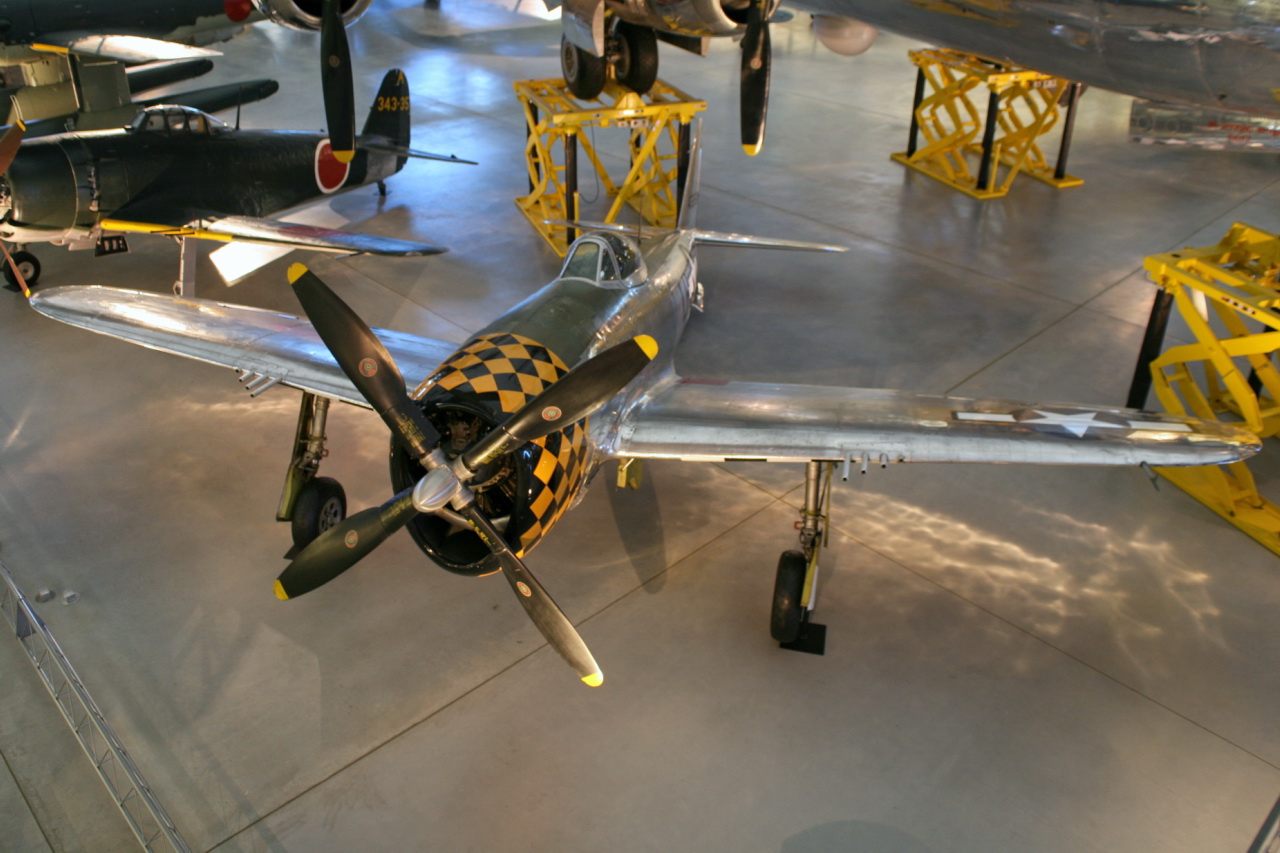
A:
x: 278, y: 348
x: 686, y: 419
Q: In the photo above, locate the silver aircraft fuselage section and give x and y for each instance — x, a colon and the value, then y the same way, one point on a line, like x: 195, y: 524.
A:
x: 577, y: 317
x: 1223, y: 53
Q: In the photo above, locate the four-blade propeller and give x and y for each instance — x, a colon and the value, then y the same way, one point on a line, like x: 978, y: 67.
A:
x: 444, y: 490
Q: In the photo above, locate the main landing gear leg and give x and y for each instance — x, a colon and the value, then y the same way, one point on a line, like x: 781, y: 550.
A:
x: 312, y: 504
x: 795, y: 589
x: 186, y: 284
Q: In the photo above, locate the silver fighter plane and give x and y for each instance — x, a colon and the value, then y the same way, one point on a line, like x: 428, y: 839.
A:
x: 504, y: 433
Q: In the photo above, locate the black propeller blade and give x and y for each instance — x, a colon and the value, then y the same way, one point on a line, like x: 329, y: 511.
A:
x: 573, y: 396
x: 754, y: 92
x: 365, y: 361
x: 336, y: 80
x: 537, y: 602
x: 343, y: 545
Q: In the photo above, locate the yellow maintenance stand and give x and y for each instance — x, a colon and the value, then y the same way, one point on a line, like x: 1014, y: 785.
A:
x: 1022, y: 106
x: 1229, y: 296
x: 658, y: 152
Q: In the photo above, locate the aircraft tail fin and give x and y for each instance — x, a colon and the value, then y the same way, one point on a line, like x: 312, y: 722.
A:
x: 388, y: 120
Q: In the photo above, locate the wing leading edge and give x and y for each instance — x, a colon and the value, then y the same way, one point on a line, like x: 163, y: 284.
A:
x: 269, y: 344
x: 687, y: 419
x: 274, y: 232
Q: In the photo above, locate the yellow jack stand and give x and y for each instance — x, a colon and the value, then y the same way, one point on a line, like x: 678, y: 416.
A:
x: 1023, y: 104
x: 1237, y: 279
x: 653, y: 185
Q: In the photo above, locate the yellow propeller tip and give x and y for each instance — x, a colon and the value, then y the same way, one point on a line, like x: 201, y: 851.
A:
x: 648, y: 344
x: 344, y: 156
x: 280, y: 593
x: 296, y: 271
x: 595, y: 679
x: 754, y: 149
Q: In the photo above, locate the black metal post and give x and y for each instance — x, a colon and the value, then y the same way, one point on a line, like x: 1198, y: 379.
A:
x: 916, y: 100
x: 1068, y: 125
x: 682, y: 165
x: 528, y: 132
x: 571, y: 184
x: 985, y: 173
x: 1152, y: 340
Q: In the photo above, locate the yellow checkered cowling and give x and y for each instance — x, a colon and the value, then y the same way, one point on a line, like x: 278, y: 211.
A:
x: 510, y: 370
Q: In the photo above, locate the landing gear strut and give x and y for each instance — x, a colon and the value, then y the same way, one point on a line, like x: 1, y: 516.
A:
x: 312, y: 504
x: 795, y: 587
x: 27, y: 264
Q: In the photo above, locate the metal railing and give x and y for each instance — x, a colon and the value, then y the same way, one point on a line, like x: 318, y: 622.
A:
x: 137, y: 802
x: 1268, y: 838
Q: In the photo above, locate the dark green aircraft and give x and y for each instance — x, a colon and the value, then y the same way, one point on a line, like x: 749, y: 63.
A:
x: 179, y: 172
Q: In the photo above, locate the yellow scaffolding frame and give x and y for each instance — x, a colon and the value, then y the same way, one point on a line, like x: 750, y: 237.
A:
x: 555, y: 119
x: 1022, y: 105
x: 1234, y: 283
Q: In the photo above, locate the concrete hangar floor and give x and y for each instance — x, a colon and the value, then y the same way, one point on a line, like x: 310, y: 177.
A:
x: 1018, y: 659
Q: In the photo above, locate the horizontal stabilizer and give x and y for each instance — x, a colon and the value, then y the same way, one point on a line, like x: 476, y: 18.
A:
x: 409, y: 152
x: 274, y: 232
x: 702, y: 236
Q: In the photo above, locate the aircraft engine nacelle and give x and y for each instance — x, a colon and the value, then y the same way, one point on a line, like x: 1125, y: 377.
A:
x: 844, y: 36
x: 583, y: 19
x: 524, y: 492
x: 305, y: 14
x: 40, y: 189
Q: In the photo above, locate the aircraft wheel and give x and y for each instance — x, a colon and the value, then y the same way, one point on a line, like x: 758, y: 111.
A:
x: 320, y: 505
x: 27, y: 264
x: 637, y: 66
x: 788, y: 590
x: 583, y: 72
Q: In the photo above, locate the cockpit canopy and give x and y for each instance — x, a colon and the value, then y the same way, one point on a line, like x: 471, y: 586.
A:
x: 174, y: 120
x: 606, y: 260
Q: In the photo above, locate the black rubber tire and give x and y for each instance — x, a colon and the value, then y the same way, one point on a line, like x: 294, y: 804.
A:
x: 788, y: 588
x: 583, y: 72
x: 29, y: 265
x: 320, y: 505
x: 637, y: 66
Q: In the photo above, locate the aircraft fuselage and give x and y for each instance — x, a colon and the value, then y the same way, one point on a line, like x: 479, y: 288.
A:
x: 64, y: 187
x: 1222, y: 53
x: 514, y: 358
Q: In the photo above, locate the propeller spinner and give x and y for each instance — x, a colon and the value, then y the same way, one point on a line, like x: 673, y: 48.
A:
x: 444, y: 490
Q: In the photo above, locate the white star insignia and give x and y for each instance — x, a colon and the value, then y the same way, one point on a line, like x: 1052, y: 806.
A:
x: 1077, y: 423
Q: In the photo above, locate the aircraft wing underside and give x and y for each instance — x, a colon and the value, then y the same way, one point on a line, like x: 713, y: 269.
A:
x: 275, y: 346
x: 123, y: 48
x: 270, y: 232
x: 693, y: 420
